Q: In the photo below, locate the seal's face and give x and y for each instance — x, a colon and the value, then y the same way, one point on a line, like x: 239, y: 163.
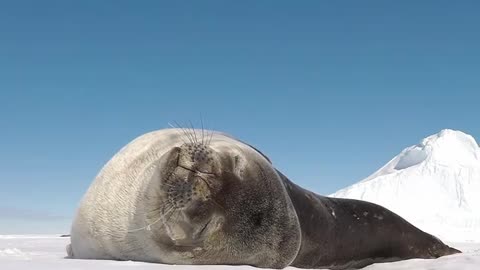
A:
x: 219, y: 202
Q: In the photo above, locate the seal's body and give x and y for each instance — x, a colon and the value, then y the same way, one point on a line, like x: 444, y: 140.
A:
x: 345, y: 234
x: 187, y: 197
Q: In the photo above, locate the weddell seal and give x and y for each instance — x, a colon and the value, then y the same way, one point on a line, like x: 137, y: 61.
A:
x: 180, y: 196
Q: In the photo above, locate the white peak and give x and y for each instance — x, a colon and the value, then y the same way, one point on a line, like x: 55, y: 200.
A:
x: 452, y: 147
x: 448, y: 148
x: 449, y: 137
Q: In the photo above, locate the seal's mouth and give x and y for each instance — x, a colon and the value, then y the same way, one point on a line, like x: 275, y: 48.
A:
x: 203, y: 229
x: 187, y: 234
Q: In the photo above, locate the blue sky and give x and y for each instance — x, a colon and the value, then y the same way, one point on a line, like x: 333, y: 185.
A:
x: 330, y: 90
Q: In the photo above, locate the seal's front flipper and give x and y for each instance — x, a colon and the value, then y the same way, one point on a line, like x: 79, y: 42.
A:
x: 69, y: 251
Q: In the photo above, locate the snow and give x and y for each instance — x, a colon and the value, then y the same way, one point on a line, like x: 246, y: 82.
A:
x: 48, y: 252
x: 434, y: 185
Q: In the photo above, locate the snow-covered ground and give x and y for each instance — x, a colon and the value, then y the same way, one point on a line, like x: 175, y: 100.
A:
x: 46, y: 252
x: 435, y: 185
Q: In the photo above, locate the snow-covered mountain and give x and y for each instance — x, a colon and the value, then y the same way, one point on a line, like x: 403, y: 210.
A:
x: 435, y: 185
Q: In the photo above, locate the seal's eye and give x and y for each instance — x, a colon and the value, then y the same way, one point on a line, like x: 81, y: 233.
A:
x: 239, y: 165
x: 257, y: 219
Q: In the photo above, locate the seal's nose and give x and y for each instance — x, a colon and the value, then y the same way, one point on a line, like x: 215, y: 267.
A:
x: 186, y: 187
x: 196, y: 157
x: 193, y: 176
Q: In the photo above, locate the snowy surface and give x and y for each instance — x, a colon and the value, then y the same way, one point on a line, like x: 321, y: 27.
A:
x: 45, y: 252
x: 435, y: 185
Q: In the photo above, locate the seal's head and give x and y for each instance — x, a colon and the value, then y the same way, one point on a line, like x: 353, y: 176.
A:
x: 221, y: 203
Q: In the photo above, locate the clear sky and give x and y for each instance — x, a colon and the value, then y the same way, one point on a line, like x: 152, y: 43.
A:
x: 329, y: 90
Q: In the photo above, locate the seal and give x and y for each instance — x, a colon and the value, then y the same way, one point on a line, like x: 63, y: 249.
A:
x: 181, y: 196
